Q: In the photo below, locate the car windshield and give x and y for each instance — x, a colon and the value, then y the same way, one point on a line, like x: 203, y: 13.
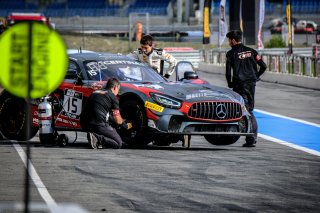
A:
x: 122, y: 70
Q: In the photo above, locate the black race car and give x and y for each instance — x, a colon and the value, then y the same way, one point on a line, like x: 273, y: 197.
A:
x: 160, y: 110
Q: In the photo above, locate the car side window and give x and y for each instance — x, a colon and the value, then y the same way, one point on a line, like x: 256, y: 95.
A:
x: 73, y: 71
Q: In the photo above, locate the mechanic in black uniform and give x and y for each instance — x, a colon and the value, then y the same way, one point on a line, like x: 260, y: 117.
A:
x: 101, y: 107
x: 243, y: 61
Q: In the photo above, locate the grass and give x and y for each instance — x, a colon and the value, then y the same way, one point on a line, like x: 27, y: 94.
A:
x: 101, y: 43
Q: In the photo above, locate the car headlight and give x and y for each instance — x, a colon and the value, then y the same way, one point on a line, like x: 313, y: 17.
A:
x: 166, y: 101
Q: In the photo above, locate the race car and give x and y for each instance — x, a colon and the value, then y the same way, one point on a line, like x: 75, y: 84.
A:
x: 160, y: 110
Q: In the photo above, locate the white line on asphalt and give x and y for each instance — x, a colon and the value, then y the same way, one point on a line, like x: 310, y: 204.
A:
x: 289, y: 118
x: 35, y: 177
x: 310, y: 151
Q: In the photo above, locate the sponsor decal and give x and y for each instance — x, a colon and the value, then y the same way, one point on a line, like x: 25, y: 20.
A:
x: 152, y: 86
x: 73, y: 123
x: 72, y: 103
x: 153, y: 106
x: 244, y: 55
x: 94, y: 67
x: 208, y: 94
x: 35, y: 120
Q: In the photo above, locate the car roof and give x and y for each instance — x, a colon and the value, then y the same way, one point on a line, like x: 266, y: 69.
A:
x: 95, y: 55
x: 27, y: 16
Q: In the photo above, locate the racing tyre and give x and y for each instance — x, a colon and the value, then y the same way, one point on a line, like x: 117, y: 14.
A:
x: 133, y: 111
x: 219, y: 140
x: 13, y: 118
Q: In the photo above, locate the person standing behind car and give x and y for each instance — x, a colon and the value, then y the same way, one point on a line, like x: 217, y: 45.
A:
x: 243, y: 61
x: 100, y: 106
x: 153, y: 56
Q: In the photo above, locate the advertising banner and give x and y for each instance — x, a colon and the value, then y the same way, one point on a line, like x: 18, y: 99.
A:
x: 223, y: 27
x: 261, y: 20
x: 206, y: 22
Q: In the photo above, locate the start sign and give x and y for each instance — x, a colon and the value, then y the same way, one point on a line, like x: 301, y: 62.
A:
x: 33, y: 60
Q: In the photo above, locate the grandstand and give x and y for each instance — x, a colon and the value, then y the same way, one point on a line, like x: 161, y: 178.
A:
x: 93, y: 8
x: 97, y: 8
x: 99, y: 14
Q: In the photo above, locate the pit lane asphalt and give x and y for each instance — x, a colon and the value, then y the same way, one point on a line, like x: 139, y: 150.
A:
x: 204, y: 178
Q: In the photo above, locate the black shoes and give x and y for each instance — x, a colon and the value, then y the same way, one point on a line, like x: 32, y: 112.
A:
x: 93, y: 141
x: 249, y: 145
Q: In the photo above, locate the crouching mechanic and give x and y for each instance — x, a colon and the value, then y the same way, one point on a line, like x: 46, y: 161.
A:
x: 98, y: 110
x: 153, y: 56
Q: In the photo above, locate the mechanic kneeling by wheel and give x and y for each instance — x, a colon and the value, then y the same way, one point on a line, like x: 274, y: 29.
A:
x: 94, y: 119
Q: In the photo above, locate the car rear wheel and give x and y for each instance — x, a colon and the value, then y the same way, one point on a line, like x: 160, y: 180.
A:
x: 13, y: 118
x: 219, y: 140
x: 133, y: 111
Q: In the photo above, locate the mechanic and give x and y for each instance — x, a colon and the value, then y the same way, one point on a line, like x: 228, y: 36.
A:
x: 153, y: 56
x: 101, y: 107
x: 3, y: 25
x: 243, y: 61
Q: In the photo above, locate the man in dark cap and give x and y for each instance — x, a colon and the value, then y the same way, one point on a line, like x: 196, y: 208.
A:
x: 242, y: 74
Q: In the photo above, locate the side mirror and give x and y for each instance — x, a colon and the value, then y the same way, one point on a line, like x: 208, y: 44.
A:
x: 190, y: 75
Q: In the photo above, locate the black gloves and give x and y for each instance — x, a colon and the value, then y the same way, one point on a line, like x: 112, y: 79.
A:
x: 167, y: 76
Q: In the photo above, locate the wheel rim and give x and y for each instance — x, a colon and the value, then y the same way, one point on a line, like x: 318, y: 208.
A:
x: 137, y: 119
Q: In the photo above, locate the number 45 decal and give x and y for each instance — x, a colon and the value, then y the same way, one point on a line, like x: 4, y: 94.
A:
x: 72, y: 103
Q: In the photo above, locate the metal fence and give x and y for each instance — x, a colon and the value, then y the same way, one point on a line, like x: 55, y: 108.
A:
x: 277, y: 61
x: 194, y: 56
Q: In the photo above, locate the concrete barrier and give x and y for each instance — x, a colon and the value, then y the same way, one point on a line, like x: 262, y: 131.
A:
x: 281, y: 78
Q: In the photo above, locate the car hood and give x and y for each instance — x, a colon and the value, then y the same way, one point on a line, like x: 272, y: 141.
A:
x: 189, y: 92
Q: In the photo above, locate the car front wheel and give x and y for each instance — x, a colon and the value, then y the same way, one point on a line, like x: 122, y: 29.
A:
x: 133, y: 111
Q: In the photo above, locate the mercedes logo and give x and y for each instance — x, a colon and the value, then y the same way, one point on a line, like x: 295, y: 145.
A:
x: 221, y: 111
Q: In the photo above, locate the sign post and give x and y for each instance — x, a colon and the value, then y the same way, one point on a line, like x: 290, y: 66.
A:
x: 290, y: 30
x: 34, y: 63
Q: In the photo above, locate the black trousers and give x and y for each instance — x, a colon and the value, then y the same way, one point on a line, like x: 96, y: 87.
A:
x: 247, y: 91
x: 107, y: 135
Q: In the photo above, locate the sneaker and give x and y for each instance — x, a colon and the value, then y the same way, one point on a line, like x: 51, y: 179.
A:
x: 93, y: 141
